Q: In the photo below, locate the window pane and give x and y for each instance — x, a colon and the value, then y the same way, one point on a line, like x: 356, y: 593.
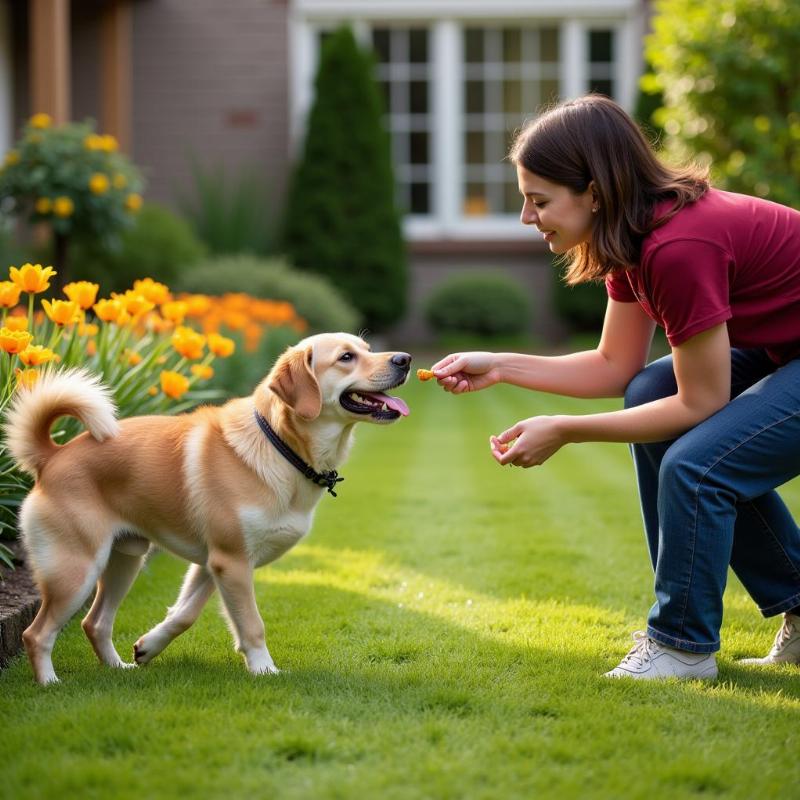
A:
x: 475, y: 147
x: 473, y: 46
x: 380, y: 41
x: 418, y: 97
x: 475, y: 202
x: 549, y: 92
x: 548, y: 38
x: 420, y: 198
x: 475, y: 98
x: 601, y: 47
x: 605, y: 87
x: 512, y: 97
x: 418, y: 46
x: 512, y: 201
x: 419, y: 147
x: 512, y: 45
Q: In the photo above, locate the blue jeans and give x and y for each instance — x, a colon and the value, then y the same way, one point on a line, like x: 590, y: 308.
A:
x: 708, y: 500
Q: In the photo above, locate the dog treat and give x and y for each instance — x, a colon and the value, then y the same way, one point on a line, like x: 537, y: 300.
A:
x: 425, y: 374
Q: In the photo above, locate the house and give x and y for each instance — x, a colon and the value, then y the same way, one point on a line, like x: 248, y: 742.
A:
x: 230, y: 82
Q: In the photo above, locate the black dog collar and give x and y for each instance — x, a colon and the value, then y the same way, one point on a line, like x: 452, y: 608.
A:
x: 329, y: 479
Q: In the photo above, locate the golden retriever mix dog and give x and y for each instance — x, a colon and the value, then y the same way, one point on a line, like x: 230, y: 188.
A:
x: 228, y: 488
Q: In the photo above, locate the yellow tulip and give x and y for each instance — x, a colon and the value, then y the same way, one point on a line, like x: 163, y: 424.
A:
x: 99, y: 183
x: 40, y: 121
x: 32, y: 278
x: 88, y: 329
x: 188, y: 342
x: 221, y: 345
x: 83, y: 293
x: 14, y: 341
x: 17, y: 323
x: 134, y: 302
x: 9, y: 294
x: 63, y: 207
x: 132, y: 357
x: 197, y: 305
x: 133, y: 202
x: 202, y: 371
x: 154, y: 291
x: 174, y: 311
x: 26, y: 378
x: 173, y: 384
x: 44, y: 205
x: 109, y: 310
x: 62, y: 312
x: 35, y: 354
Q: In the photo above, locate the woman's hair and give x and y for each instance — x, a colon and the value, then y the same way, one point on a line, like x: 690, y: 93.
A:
x: 593, y: 139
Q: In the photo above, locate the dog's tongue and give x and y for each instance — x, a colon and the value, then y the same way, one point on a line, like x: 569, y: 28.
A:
x: 392, y: 402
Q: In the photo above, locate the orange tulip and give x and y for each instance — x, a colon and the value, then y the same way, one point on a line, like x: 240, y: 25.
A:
x: 62, y: 312
x: 175, y: 311
x: 202, y: 371
x: 173, y: 384
x: 134, y: 302
x: 9, y: 294
x: 83, y: 293
x: 157, y: 293
x: 32, y: 278
x: 26, y: 378
x: 14, y: 342
x: 17, y: 323
x: 220, y: 345
x: 35, y: 354
x: 188, y: 342
x: 109, y: 310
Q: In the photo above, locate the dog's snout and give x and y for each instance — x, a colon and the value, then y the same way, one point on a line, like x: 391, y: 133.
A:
x: 401, y: 360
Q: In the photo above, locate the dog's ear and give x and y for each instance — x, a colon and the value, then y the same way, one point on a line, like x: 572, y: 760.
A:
x: 295, y: 383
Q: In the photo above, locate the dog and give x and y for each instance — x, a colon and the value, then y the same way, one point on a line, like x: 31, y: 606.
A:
x: 228, y: 488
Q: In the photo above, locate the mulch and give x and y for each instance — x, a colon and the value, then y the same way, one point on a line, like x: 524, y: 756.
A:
x: 19, y: 602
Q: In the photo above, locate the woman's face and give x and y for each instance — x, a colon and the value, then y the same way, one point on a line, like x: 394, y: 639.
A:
x: 563, y: 217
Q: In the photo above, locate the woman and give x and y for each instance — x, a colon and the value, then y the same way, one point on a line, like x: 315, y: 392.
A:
x: 715, y: 426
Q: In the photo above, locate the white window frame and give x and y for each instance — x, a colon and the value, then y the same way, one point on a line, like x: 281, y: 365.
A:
x: 446, y: 19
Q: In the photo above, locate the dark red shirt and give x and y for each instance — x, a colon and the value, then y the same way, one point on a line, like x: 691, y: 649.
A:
x: 724, y: 258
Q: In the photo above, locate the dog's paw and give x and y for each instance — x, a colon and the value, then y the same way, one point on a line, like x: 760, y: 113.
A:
x: 140, y: 655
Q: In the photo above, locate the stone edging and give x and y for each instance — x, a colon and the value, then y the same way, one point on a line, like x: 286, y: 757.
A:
x: 19, y: 602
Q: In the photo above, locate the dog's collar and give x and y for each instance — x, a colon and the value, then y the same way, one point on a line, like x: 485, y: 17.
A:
x: 329, y: 478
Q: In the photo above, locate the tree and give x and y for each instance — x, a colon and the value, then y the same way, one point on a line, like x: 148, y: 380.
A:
x: 72, y: 180
x: 340, y: 218
x: 730, y: 76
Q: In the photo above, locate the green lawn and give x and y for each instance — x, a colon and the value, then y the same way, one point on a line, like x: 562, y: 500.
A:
x: 442, y: 633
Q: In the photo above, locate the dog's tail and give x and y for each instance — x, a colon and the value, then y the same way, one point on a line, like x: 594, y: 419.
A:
x: 70, y: 393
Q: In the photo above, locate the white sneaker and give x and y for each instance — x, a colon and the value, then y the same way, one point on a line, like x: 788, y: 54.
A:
x: 650, y: 660
x: 786, y: 647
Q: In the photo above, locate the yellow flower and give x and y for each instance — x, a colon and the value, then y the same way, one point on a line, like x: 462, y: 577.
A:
x: 174, y: 311
x: 26, y: 378
x: 40, y: 121
x: 134, y: 302
x: 91, y: 348
x: 133, y: 202
x: 132, y: 357
x: 62, y: 312
x: 93, y: 142
x: 202, y: 371
x: 32, y: 278
x: 99, y: 183
x: 188, y: 342
x: 197, y: 305
x: 155, y: 292
x: 12, y: 157
x: 44, y: 205
x: 14, y: 341
x: 109, y: 310
x: 88, y: 329
x: 152, y: 391
x: 35, y: 354
x: 9, y: 294
x: 119, y: 181
x: 220, y: 345
x: 83, y: 293
x: 17, y: 323
x: 63, y: 207
x: 109, y: 143
x: 173, y: 384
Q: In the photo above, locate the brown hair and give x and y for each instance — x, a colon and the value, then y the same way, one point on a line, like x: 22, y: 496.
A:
x: 594, y: 139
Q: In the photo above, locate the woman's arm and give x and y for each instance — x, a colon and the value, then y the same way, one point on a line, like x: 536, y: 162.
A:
x: 603, y: 372
x: 703, y: 373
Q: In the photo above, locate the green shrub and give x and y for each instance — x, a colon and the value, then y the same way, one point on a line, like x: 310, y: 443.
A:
x: 581, y: 307
x: 160, y: 246
x: 229, y: 215
x: 340, y: 218
x: 486, y: 304
x: 314, y: 298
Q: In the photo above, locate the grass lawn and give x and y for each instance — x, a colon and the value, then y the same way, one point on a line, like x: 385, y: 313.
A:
x: 442, y: 633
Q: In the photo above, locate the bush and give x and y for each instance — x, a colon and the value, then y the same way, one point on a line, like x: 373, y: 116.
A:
x: 229, y: 216
x: 728, y: 72
x: 581, y: 307
x: 160, y: 245
x: 313, y: 297
x: 340, y: 218
x: 484, y: 304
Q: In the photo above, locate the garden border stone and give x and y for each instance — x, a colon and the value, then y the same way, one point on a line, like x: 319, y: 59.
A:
x: 19, y: 602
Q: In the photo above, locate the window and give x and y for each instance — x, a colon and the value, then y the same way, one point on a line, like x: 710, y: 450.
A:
x: 403, y: 67
x: 601, y: 62
x: 508, y: 74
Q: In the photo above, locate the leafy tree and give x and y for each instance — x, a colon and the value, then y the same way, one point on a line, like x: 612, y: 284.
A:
x: 730, y: 76
x: 340, y: 218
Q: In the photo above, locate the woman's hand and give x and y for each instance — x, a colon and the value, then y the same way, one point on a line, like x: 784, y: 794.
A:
x: 536, y: 438
x: 467, y: 372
